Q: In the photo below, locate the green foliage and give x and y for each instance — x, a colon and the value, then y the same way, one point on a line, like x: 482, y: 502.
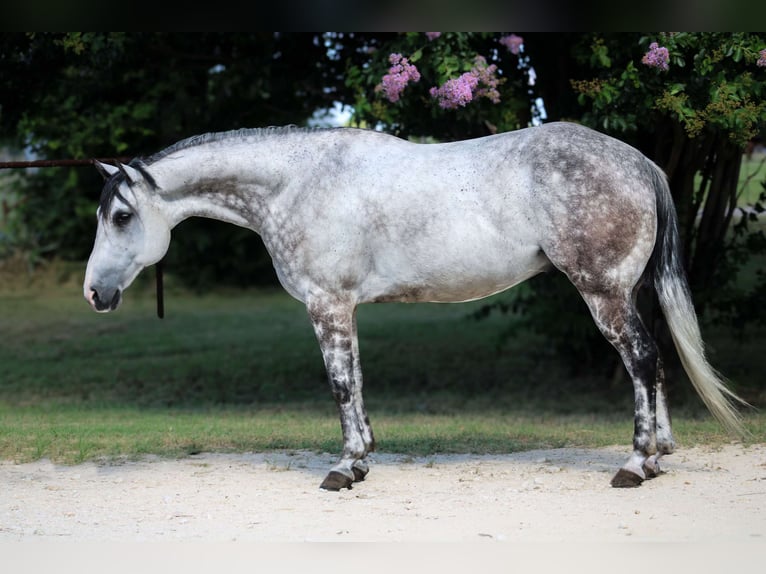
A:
x: 53, y: 216
x: 205, y: 253
x: 94, y: 94
x: 712, y: 84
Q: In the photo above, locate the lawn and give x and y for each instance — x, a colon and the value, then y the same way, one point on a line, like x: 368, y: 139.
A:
x: 241, y: 371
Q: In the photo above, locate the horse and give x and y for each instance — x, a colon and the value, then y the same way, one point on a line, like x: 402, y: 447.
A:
x: 352, y: 216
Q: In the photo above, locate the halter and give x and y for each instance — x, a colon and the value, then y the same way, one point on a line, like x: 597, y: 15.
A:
x: 158, y: 273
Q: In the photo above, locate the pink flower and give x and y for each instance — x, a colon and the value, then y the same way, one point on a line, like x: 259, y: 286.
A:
x: 480, y: 82
x: 399, y: 75
x: 433, y: 35
x: 487, y: 78
x: 762, y: 60
x: 656, y: 57
x: 513, y: 43
x: 456, y: 92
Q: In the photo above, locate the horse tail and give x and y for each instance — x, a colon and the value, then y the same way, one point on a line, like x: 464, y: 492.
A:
x: 675, y: 300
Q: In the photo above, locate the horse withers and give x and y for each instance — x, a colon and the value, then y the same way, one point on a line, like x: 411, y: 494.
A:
x: 353, y: 216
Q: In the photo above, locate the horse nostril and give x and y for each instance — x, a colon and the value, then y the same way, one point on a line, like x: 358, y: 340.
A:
x: 94, y: 295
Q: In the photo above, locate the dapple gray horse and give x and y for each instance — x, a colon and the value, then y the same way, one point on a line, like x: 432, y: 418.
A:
x: 353, y: 216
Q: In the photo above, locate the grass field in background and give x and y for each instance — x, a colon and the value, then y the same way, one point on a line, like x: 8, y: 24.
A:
x: 752, y: 174
x: 241, y: 371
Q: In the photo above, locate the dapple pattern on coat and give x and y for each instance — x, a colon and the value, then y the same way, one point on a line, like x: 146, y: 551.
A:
x: 353, y: 216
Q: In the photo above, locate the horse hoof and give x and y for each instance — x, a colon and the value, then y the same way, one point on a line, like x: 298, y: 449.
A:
x: 335, y: 481
x: 651, y: 470
x: 360, y: 470
x: 626, y: 479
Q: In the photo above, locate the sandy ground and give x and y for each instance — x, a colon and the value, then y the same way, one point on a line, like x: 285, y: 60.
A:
x: 704, y: 495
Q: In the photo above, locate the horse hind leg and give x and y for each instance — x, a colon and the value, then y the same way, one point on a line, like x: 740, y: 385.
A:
x: 616, y: 316
x: 665, y: 442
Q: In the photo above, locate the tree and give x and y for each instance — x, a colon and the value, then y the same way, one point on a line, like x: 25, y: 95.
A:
x: 81, y: 95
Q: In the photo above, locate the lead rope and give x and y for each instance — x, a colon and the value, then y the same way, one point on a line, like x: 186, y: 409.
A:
x: 160, y: 290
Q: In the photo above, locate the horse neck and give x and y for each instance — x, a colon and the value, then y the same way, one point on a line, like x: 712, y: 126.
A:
x: 231, y: 183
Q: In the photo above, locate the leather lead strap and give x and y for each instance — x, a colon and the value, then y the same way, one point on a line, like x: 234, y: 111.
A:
x: 160, y: 290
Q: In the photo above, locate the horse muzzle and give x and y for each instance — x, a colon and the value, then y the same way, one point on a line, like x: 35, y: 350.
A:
x: 103, y: 301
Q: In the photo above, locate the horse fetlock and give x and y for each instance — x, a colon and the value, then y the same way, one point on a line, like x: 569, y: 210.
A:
x: 645, y: 444
x: 651, y: 466
x: 360, y: 470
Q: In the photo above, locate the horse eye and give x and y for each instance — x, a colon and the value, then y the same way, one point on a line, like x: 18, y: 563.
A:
x: 121, y: 218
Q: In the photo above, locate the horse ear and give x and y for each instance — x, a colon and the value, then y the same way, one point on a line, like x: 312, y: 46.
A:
x: 131, y: 173
x: 105, y: 169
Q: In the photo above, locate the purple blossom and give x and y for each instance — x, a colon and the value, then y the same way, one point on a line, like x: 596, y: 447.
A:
x: 656, y: 57
x: 399, y: 75
x: 762, y: 60
x: 487, y: 79
x: 513, y: 43
x: 433, y: 35
x: 480, y: 82
x: 456, y: 92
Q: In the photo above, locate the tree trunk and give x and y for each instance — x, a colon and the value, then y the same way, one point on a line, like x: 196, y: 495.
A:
x: 717, y: 211
x: 703, y: 173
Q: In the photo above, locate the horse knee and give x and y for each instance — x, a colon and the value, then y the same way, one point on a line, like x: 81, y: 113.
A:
x: 341, y: 393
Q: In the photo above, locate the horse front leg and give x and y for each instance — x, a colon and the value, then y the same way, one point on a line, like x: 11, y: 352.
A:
x: 334, y: 322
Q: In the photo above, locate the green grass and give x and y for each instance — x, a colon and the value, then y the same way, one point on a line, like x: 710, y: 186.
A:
x: 241, y: 371
x: 250, y: 348
x: 72, y: 435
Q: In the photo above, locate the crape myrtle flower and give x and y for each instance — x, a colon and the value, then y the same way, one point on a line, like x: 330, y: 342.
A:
x: 480, y: 82
x: 399, y: 75
x: 488, y: 81
x: 456, y: 92
x: 513, y: 43
x: 656, y: 57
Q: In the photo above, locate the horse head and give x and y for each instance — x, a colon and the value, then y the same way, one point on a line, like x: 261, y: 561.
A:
x: 132, y: 233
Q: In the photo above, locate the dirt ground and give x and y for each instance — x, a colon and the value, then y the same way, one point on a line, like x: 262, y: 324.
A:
x: 563, y: 495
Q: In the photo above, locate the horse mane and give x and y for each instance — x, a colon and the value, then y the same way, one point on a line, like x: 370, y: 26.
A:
x: 112, y: 185
x: 243, y: 133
